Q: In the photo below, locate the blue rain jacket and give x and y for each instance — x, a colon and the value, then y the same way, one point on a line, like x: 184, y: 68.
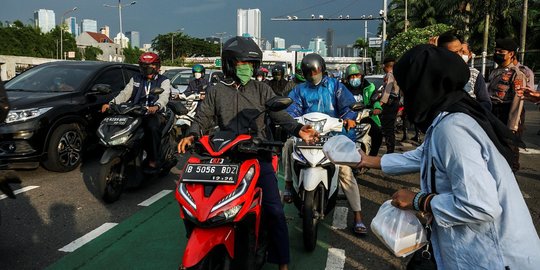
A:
x: 330, y: 97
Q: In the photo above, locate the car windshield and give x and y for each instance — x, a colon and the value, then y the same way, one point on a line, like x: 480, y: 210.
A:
x: 50, y: 78
x: 171, y: 72
x: 182, y: 78
x: 377, y: 81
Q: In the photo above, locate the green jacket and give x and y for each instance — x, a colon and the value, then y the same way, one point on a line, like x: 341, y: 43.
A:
x: 367, y: 95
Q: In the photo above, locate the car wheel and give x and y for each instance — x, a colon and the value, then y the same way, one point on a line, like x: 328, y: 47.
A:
x: 64, y: 151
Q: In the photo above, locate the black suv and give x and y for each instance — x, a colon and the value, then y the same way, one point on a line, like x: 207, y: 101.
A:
x: 54, y: 107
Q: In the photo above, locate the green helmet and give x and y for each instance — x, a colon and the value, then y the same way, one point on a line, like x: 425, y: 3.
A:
x: 198, y: 68
x: 298, y: 72
x: 352, y: 70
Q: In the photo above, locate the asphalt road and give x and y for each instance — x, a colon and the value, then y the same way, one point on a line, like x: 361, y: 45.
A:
x: 64, y: 207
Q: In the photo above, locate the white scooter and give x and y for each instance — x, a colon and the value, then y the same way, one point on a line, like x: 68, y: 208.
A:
x: 315, y: 178
x: 183, y: 122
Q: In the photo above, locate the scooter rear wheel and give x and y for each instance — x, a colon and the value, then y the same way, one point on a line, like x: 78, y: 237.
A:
x: 309, y: 221
x: 110, y: 182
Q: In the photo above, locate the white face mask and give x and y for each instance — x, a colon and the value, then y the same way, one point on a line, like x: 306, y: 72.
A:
x: 259, y: 78
x: 198, y: 75
x: 465, y: 58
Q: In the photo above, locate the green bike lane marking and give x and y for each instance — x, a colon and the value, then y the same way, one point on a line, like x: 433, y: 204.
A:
x: 155, y: 238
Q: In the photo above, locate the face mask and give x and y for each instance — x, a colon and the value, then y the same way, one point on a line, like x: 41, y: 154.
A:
x: 259, y: 78
x: 315, y: 79
x: 198, y: 75
x: 355, y: 82
x: 465, y: 58
x: 147, y: 70
x: 498, y: 58
x: 277, y: 78
x: 244, y: 73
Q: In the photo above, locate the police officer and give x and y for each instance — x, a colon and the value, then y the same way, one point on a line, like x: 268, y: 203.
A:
x: 390, y: 105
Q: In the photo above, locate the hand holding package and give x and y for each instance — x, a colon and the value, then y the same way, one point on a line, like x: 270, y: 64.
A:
x: 399, y: 230
x: 342, y: 151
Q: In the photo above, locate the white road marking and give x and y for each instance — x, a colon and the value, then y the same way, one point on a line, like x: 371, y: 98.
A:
x: 336, y: 259
x: 24, y: 189
x: 156, y: 197
x: 529, y: 151
x: 340, y: 218
x: 87, y: 237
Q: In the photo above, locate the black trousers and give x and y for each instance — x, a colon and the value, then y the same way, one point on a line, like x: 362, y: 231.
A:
x: 388, y: 124
x: 376, y: 136
x: 152, y: 125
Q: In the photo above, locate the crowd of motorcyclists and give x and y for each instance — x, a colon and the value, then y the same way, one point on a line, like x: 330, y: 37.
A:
x: 231, y: 104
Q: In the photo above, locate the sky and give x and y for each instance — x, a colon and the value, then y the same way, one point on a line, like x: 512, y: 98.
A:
x: 205, y: 18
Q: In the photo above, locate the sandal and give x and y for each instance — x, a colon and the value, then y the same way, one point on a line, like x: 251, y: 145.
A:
x: 359, y: 228
x: 287, y: 195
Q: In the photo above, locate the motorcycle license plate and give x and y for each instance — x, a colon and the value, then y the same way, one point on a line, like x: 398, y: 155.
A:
x: 319, y: 144
x: 115, y: 120
x: 211, y: 173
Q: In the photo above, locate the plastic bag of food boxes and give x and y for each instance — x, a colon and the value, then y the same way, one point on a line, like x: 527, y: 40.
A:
x: 399, y: 230
x: 342, y: 151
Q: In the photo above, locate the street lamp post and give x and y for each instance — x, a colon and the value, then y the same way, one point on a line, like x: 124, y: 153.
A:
x: 120, y: 6
x: 172, y: 43
x: 62, y: 31
x: 221, y: 34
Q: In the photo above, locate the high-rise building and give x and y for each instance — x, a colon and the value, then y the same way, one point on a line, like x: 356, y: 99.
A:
x: 135, y: 38
x: 249, y: 24
x: 105, y: 30
x: 318, y: 46
x: 347, y: 51
x: 44, y: 19
x: 122, y: 40
x: 72, y: 27
x: 88, y: 25
x: 330, y: 42
x: 279, y: 43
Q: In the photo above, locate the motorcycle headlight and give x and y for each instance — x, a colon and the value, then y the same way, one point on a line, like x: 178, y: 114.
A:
x: 231, y: 212
x: 126, y: 129
x: 26, y: 114
x: 119, y: 141
x: 239, y: 191
x: 185, y: 194
x: 317, y: 125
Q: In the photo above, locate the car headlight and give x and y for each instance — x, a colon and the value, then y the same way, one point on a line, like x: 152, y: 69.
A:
x: 317, y: 125
x: 26, y: 114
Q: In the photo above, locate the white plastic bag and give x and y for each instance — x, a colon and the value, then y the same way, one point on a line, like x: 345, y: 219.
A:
x: 342, y: 151
x: 399, y: 230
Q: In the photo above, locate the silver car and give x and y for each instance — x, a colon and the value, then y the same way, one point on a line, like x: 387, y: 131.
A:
x: 180, y: 81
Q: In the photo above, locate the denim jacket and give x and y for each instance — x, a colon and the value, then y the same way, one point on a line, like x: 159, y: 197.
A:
x: 481, y: 220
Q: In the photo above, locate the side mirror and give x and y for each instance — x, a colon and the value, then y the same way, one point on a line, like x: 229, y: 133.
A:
x: 357, y: 106
x: 157, y: 90
x: 276, y: 104
x: 103, y: 89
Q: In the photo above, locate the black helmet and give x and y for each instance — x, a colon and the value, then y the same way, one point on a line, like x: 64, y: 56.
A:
x: 312, y: 62
x: 278, y: 70
x: 239, y: 49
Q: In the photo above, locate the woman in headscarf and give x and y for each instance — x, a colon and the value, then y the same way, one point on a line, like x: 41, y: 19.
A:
x: 479, y: 218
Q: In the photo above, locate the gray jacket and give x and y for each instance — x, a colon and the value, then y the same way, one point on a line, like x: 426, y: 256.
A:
x: 232, y: 109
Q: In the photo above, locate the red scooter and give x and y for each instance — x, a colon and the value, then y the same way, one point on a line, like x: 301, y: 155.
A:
x: 220, y: 201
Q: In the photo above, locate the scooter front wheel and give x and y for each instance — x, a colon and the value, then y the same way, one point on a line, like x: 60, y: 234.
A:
x: 310, y: 221
x: 110, y: 181
x: 217, y: 259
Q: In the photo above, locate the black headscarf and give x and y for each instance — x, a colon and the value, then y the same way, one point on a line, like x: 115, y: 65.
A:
x: 432, y: 81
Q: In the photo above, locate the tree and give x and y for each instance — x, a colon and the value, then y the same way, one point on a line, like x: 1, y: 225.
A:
x: 415, y: 36
x: 184, y: 46
x: 91, y: 53
x: 132, y: 54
